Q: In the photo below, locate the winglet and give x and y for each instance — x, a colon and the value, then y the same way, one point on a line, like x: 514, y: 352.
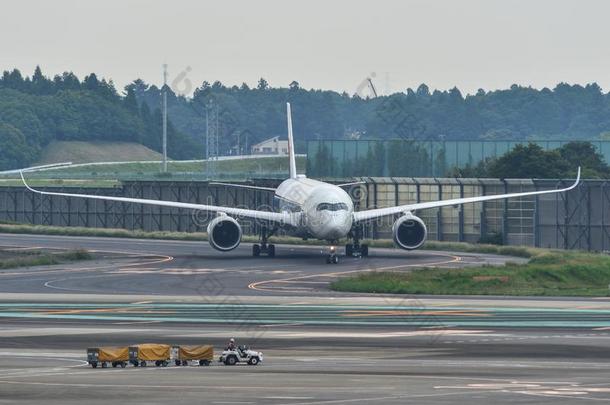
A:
x: 26, y: 184
x: 291, y: 156
x: 577, y: 179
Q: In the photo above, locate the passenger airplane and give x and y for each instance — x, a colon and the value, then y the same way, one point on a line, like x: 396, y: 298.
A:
x: 311, y: 209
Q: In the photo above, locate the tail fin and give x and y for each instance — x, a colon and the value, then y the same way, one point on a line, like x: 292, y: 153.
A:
x: 291, y: 156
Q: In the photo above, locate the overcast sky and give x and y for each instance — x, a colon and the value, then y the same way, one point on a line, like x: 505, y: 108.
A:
x: 330, y: 44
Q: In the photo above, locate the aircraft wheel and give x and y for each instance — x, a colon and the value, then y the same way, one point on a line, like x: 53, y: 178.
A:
x: 364, y: 250
x: 256, y: 250
x: 271, y: 251
x: 349, y: 250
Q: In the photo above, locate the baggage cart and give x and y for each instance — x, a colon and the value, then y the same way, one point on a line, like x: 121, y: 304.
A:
x: 203, y: 354
x: 116, y: 356
x: 140, y: 355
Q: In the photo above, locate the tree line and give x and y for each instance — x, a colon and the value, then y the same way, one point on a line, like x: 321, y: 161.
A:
x: 532, y: 161
x: 35, y: 110
x: 566, y: 112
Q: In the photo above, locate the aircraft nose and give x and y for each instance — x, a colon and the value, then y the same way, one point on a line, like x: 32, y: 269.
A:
x: 338, y: 225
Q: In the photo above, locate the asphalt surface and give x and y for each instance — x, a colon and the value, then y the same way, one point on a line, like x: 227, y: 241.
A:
x: 320, y: 347
x: 132, y: 266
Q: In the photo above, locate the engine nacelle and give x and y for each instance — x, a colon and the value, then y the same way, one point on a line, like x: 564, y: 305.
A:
x: 409, y: 232
x: 224, y: 233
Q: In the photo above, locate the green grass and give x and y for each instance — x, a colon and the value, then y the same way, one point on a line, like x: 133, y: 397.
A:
x: 84, y: 152
x: 96, y: 183
x: 260, y: 165
x: 40, y: 258
x: 548, y: 273
x: 110, y: 175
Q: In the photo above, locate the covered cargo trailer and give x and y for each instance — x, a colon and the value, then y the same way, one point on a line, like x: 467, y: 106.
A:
x: 116, y: 356
x: 204, y: 354
x: 140, y: 354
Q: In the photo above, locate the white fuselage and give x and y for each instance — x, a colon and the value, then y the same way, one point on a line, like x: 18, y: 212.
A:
x: 326, y: 210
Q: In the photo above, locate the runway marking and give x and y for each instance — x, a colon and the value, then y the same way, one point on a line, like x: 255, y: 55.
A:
x: 550, y: 389
x: 303, y: 282
x: 409, y: 396
x: 162, y: 259
x: 257, y: 285
x: 353, y: 313
x: 130, y: 255
x: 11, y: 249
x: 289, y: 397
x: 331, y: 314
x: 135, y: 323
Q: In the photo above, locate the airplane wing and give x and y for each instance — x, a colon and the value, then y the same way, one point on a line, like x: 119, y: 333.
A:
x: 243, y: 186
x: 38, y: 168
x: 350, y: 184
x: 282, y: 218
x: 365, y: 215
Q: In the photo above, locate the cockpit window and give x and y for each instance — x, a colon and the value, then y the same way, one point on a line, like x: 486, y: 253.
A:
x: 332, y: 207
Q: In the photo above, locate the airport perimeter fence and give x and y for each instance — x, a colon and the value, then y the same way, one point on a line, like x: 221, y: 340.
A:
x: 579, y: 219
x: 400, y: 157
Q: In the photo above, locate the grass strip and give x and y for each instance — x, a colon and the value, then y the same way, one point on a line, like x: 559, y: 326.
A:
x: 39, y: 258
x: 548, y: 273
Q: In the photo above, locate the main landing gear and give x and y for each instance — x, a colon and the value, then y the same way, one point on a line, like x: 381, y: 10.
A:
x: 264, y: 248
x: 355, y: 249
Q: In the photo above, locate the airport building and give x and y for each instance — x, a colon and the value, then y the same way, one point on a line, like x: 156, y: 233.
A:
x: 271, y: 146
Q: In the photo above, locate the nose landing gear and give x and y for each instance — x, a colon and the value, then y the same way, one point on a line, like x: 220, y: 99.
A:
x: 332, y: 256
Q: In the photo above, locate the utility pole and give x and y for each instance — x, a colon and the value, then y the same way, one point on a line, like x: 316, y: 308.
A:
x: 212, y: 130
x: 207, y: 142
x: 164, y: 96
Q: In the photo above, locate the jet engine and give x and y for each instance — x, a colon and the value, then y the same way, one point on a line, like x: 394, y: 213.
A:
x: 224, y: 233
x: 409, y: 232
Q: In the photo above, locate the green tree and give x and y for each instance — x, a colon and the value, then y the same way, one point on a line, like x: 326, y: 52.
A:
x: 529, y: 161
x: 262, y: 84
x: 584, y: 154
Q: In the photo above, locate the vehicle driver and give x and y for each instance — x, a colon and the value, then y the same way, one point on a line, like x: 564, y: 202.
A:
x: 231, y: 345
